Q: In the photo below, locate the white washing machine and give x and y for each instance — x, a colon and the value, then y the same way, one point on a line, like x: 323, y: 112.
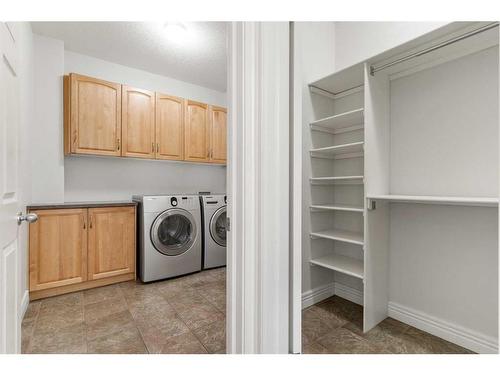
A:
x: 169, y: 234
x: 214, y: 230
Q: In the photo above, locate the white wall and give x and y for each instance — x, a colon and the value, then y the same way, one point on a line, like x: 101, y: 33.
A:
x: 107, y: 178
x: 59, y: 178
x: 444, y: 263
x: 357, y: 41
x: 46, y: 131
x: 433, y: 118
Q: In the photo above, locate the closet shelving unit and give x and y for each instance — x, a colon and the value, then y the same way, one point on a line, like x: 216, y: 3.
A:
x: 368, y: 125
x: 342, y: 138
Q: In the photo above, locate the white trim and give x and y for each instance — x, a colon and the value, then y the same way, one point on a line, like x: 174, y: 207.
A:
x: 454, y: 333
x: 349, y: 293
x: 316, y: 295
x: 258, y: 187
x: 25, y: 300
x: 323, y: 292
x: 295, y: 198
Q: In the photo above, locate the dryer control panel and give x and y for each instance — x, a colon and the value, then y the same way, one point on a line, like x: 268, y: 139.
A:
x: 159, y: 203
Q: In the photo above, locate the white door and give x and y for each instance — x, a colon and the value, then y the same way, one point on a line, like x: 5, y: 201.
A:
x: 10, y: 328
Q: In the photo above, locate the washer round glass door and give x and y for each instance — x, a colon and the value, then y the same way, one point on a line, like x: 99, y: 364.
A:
x: 173, y: 231
x: 218, y: 226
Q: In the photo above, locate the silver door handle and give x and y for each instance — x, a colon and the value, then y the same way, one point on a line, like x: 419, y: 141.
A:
x: 30, y: 218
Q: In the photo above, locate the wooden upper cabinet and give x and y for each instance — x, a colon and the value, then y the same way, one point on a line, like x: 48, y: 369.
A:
x: 197, y: 132
x: 94, y: 115
x: 138, y: 123
x: 105, y: 118
x: 111, y: 242
x: 218, y: 134
x: 58, y: 248
x: 169, y: 127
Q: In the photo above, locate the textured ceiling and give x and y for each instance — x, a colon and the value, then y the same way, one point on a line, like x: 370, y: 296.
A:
x: 144, y: 45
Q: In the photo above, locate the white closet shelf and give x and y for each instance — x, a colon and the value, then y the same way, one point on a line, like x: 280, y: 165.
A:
x: 349, y: 180
x: 346, y: 148
x: 340, y: 121
x: 459, y: 201
x: 341, y: 80
x: 337, y: 207
x: 340, y: 263
x: 340, y: 235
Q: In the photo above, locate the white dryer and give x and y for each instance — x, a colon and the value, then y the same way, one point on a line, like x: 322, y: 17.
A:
x: 214, y: 230
x: 169, y: 236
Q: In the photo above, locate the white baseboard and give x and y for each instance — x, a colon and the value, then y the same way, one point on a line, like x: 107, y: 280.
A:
x: 456, y: 334
x: 349, y: 293
x: 24, y: 305
x: 318, y: 294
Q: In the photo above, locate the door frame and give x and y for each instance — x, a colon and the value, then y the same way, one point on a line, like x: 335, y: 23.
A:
x: 258, y: 187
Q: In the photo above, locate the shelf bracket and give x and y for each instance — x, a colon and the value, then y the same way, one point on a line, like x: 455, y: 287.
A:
x: 371, y: 204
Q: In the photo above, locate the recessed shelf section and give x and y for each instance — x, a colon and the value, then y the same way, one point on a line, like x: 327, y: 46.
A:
x: 340, y: 263
x: 354, y: 149
x: 459, y: 201
x: 344, y: 120
x: 340, y: 235
x: 346, y: 180
x: 336, y: 207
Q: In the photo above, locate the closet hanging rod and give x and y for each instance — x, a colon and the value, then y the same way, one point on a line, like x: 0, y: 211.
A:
x: 375, y: 69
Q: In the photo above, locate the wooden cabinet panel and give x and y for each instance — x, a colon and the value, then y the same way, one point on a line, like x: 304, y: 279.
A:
x: 218, y: 135
x: 58, y: 248
x: 197, y: 142
x: 138, y: 123
x: 169, y: 127
x: 111, y: 243
x: 95, y: 116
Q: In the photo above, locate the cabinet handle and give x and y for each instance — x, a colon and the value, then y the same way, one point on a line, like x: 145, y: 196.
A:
x: 118, y: 143
x: 84, y: 226
x: 152, y: 147
x: 90, y: 224
x: 158, y: 147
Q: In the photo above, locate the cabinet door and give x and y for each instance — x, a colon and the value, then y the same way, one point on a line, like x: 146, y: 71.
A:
x: 95, y: 116
x: 218, y: 135
x: 111, y: 242
x: 169, y: 127
x: 58, y: 248
x: 138, y: 123
x: 197, y: 142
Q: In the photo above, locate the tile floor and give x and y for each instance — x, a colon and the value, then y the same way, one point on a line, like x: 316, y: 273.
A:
x: 334, y: 326
x: 187, y: 315
x: 182, y: 315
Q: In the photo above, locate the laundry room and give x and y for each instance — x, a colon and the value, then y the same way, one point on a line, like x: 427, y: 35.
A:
x: 129, y: 249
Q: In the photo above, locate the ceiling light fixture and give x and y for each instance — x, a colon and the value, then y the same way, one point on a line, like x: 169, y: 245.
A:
x: 177, y: 32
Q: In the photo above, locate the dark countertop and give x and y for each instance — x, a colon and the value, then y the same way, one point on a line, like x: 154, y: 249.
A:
x: 49, y: 206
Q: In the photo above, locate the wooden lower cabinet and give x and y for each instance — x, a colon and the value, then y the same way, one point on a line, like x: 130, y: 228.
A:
x: 111, y: 242
x: 58, y: 248
x: 72, y: 249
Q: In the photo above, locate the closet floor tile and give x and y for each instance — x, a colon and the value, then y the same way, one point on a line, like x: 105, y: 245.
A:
x: 346, y: 334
